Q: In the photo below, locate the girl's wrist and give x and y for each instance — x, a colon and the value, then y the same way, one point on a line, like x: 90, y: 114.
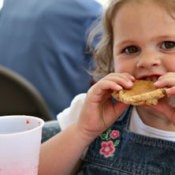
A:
x: 85, y: 136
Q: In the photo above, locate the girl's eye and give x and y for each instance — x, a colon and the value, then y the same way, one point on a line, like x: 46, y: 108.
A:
x: 130, y: 50
x: 168, y: 45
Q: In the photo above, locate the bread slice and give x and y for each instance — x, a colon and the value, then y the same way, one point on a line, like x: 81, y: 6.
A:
x: 143, y: 92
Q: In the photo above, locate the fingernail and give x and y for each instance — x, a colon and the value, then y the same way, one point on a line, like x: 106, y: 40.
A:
x: 118, y: 87
x: 157, y: 83
x: 130, y: 83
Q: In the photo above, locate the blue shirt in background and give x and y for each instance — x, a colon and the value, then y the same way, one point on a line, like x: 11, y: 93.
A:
x: 45, y: 41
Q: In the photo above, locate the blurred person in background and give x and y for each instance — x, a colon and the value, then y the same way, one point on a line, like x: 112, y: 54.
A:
x: 45, y: 41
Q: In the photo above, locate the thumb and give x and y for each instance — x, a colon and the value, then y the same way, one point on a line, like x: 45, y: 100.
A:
x: 120, y: 108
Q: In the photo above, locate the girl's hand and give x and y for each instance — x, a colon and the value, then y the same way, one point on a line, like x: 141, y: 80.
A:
x: 167, y: 105
x: 98, y: 112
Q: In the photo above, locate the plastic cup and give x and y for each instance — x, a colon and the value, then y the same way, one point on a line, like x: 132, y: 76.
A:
x: 20, y: 140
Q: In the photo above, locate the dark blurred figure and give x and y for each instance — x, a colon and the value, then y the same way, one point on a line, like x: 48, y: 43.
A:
x: 45, y: 41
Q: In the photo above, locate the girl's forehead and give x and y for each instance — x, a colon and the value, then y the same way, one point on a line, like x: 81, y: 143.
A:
x: 132, y: 12
x: 142, y: 19
x: 165, y: 5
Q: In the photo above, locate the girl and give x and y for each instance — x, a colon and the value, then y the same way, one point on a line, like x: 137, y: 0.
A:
x: 138, y: 42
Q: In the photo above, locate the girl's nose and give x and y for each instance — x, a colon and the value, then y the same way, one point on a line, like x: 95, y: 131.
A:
x: 148, y: 60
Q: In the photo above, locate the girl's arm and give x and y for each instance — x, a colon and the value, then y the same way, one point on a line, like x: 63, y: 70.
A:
x: 60, y: 154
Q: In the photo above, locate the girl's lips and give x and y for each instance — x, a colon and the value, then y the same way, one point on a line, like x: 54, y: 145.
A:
x: 154, y: 78
x: 150, y: 77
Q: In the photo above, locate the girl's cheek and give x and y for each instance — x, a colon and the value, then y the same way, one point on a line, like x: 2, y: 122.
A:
x: 120, y: 68
x: 169, y: 63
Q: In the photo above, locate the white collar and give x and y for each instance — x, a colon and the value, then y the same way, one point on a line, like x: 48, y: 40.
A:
x: 137, y: 126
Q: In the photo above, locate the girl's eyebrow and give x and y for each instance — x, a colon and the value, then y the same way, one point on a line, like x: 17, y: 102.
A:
x: 130, y: 41
x: 163, y: 37
x: 167, y: 37
x: 121, y: 43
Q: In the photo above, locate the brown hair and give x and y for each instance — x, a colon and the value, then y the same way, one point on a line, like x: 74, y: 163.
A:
x: 103, y: 53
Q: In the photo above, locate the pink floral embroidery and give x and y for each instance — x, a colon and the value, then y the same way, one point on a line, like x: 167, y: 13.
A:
x: 115, y: 134
x: 110, y: 139
x: 107, y: 148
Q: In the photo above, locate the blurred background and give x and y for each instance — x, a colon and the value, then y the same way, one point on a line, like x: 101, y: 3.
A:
x: 45, y: 42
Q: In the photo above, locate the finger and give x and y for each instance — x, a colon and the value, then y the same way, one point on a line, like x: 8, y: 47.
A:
x: 167, y: 80
x: 170, y: 91
x: 122, y: 80
x: 120, y: 76
x: 169, y: 74
x: 120, y: 108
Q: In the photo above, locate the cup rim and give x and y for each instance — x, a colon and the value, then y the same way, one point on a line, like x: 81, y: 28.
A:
x: 41, y: 124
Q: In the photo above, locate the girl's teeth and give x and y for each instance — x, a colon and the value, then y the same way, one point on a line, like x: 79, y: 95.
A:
x: 152, y: 78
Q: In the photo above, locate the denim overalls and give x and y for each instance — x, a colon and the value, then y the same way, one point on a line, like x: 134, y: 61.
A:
x: 121, y: 152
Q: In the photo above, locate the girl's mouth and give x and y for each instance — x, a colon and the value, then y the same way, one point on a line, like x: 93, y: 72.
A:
x: 153, y: 78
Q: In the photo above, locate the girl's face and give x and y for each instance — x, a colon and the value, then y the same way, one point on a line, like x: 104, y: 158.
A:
x: 144, y: 40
